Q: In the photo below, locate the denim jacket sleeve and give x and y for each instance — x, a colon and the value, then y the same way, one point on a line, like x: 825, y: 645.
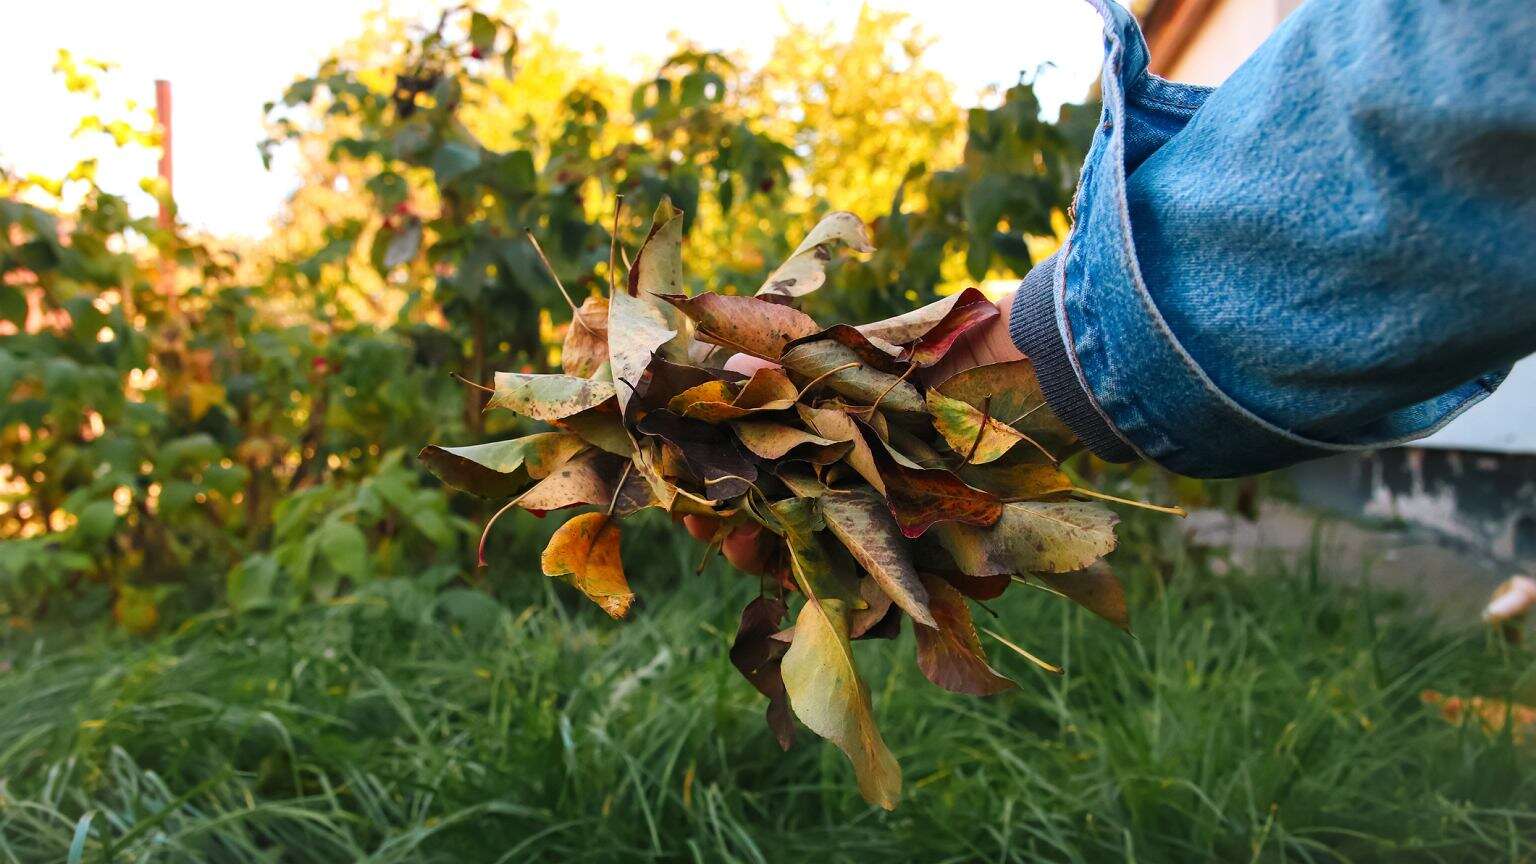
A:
x: 1335, y: 250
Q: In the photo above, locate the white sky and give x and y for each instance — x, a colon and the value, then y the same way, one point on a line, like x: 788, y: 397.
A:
x: 224, y: 59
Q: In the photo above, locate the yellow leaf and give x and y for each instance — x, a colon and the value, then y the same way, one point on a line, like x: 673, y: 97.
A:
x: 585, y: 552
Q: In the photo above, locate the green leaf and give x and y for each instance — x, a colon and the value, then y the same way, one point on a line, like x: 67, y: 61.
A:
x: 482, y: 33
x: 453, y: 160
x: 501, y: 469
x: 827, y: 694
x: 96, y: 521
x: 345, y: 548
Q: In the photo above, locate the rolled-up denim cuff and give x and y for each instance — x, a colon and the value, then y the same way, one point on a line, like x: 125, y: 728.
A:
x: 1034, y: 327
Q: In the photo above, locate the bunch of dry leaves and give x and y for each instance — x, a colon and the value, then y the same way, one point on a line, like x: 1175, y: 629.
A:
x: 891, y: 497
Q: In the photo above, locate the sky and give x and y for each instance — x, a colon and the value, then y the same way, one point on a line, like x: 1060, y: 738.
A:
x: 224, y: 59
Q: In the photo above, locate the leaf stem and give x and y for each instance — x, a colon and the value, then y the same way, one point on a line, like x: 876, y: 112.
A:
x: 1047, y: 666
x: 894, y: 384
x: 613, y: 242
x: 1176, y: 511
x: 823, y: 376
x: 486, y: 531
x: 981, y: 428
x: 462, y: 380
x: 619, y: 489
x: 544, y: 259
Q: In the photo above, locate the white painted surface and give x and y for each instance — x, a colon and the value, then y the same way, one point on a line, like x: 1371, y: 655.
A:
x: 1503, y: 423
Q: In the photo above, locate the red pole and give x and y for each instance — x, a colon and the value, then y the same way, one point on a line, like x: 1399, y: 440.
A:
x: 167, y: 219
x: 163, y: 114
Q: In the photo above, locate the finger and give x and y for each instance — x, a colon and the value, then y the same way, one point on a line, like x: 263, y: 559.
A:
x: 746, y: 364
x: 702, y: 527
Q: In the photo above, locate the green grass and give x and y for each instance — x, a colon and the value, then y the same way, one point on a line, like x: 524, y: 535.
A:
x: 1256, y: 717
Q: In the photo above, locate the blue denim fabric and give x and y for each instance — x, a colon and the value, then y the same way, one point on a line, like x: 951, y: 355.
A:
x: 1335, y: 250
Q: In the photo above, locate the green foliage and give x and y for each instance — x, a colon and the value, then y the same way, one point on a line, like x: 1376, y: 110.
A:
x: 181, y: 426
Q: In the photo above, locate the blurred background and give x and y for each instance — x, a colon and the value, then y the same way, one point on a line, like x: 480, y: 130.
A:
x: 245, y: 247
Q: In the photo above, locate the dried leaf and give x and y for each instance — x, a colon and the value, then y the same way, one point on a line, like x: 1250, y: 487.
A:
x: 922, y: 497
x: 585, y: 349
x: 770, y: 440
x: 548, y: 397
x: 716, y: 402
x: 601, y: 427
x: 1016, y: 401
x: 864, y: 525
x: 806, y: 269
x: 658, y: 267
x: 585, y: 552
x: 1033, y: 537
x: 588, y: 480
x: 636, y: 330
x: 977, y: 437
x: 929, y: 332
x: 950, y: 653
x: 757, y: 656
x: 709, y: 455
x: 879, y: 619
x: 828, y: 696
x: 835, y: 425
x: 501, y: 469
x: 872, y: 352
x: 1095, y: 588
x: 1017, y: 481
x: 744, y: 324
x: 839, y: 368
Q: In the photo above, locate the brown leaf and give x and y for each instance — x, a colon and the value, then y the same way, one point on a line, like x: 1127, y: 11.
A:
x: 716, y: 402
x: 1094, y: 588
x: 501, y: 469
x: 1033, y: 537
x: 585, y: 349
x: 770, y: 440
x: 835, y: 425
x: 757, y: 656
x: 930, y: 331
x: 548, y: 397
x: 744, y: 324
x: 922, y: 497
x: 873, y: 352
x: 863, y: 523
x: 636, y: 331
x: 589, y: 480
x: 838, y: 367
x: 665, y: 380
x: 806, y: 269
x: 709, y: 455
x: 585, y: 552
x: 950, y: 653
x: 879, y: 619
x: 1017, y: 481
x: 1016, y: 402
x: 977, y: 437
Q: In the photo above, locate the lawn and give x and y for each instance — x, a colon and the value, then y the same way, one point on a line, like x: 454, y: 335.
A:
x: 1270, y: 716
